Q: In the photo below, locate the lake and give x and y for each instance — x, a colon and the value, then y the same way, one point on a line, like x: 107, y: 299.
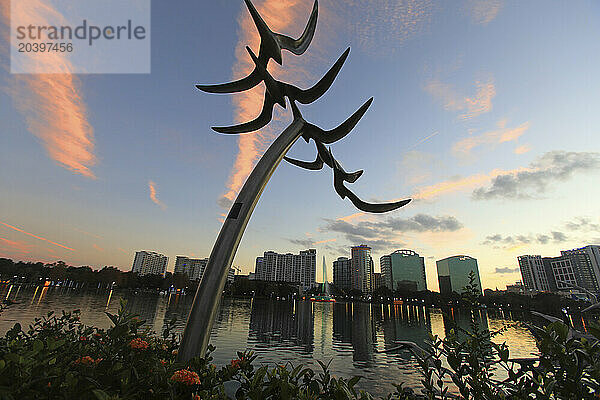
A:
x: 348, y: 335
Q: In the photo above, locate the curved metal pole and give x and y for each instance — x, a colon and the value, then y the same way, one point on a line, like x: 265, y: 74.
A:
x: 206, y: 302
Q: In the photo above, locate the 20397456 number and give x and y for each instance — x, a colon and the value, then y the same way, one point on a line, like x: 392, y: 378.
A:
x: 45, y: 47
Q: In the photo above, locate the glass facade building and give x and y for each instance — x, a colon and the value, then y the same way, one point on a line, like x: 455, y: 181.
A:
x: 453, y: 273
x: 404, y: 270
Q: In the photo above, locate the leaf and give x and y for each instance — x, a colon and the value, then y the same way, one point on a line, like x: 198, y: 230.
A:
x: 37, y: 346
x: 353, y: 381
x: 101, y: 394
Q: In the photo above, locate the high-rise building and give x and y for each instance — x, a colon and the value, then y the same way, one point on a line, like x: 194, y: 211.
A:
x: 404, y: 270
x: 295, y: 268
x: 149, y: 263
x: 362, y: 268
x: 589, y: 260
x: 573, y: 268
x: 453, y: 273
x: 342, y: 273
x: 378, y: 280
x: 533, y: 273
x: 192, y: 267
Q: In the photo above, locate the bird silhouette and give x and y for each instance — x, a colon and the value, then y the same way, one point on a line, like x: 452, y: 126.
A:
x: 271, y: 44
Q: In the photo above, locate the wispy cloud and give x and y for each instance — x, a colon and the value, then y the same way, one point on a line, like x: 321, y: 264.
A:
x: 153, y: 196
x: 423, y: 140
x: 383, y: 26
x: 98, y: 248
x: 310, y: 242
x: 451, y: 185
x: 354, y: 216
x: 483, y: 12
x: 14, y: 245
x: 35, y: 236
x: 502, y: 134
x: 523, y: 149
x: 52, y: 104
x: 518, y: 183
x: 385, y: 234
x: 506, y: 270
x: 325, y: 241
x: 583, y: 224
x: 469, y: 106
x: 529, y: 183
x: 512, y: 242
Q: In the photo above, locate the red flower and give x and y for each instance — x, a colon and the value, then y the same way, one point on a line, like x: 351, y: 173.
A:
x: 138, y: 344
x: 86, y: 360
x: 82, y: 338
x: 163, y: 362
x: 236, y: 363
x: 186, y: 377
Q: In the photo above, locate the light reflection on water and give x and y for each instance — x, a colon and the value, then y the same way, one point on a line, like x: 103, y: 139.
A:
x: 348, y: 335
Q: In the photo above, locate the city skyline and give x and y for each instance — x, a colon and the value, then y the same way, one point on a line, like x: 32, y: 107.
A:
x: 484, y: 113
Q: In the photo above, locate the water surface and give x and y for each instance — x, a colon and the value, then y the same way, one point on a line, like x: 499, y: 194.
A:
x: 349, y: 336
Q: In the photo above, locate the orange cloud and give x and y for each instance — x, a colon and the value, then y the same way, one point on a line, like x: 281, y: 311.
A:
x: 35, y: 236
x: 95, y: 246
x: 450, y: 186
x: 351, y: 217
x: 461, y: 184
x: 522, y: 149
x: 483, y: 12
x: 19, y: 247
x: 152, y: 187
x: 324, y: 241
x: 52, y: 104
x: 471, y: 106
x: 501, y: 135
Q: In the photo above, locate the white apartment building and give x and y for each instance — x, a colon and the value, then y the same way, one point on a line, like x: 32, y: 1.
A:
x: 533, y: 273
x: 149, y: 263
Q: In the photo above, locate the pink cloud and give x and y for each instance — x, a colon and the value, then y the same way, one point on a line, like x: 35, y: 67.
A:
x: 501, y: 135
x: 522, y: 149
x: 324, y: 241
x: 35, y: 236
x: 52, y: 104
x: 13, y: 245
x: 470, y: 106
x: 153, y: 197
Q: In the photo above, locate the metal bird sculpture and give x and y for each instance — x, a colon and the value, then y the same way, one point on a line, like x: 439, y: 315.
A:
x: 204, y: 308
x: 271, y: 44
x: 275, y: 91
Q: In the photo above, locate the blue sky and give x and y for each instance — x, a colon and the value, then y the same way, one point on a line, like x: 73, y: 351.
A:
x: 485, y: 112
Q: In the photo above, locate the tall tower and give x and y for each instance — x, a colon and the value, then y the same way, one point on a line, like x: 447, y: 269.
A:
x: 362, y: 268
x: 325, y: 288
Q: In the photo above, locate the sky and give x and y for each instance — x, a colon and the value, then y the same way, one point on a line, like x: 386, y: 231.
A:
x: 485, y: 113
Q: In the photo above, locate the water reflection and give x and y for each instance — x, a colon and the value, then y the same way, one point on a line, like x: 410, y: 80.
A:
x: 351, y: 336
x: 405, y: 323
x: 283, y: 323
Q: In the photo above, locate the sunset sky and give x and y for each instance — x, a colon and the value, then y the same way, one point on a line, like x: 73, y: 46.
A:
x: 485, y: 112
